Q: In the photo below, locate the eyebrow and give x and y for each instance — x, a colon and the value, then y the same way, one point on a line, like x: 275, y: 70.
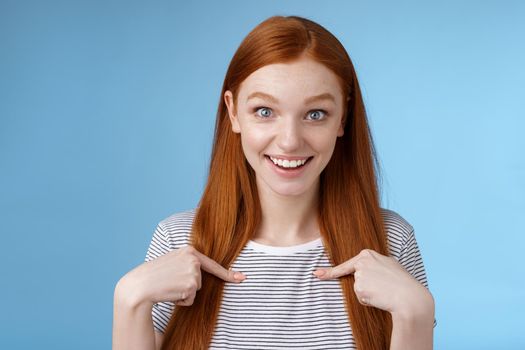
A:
x: 265, y: 96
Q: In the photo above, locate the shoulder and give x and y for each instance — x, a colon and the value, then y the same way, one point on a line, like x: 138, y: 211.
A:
x: 403, y: 246
x: 399, y: 231
x: 176, y: 228
x: 395, y: 223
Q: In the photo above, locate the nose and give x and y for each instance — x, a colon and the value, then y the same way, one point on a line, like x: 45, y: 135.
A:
x: 290, y: 135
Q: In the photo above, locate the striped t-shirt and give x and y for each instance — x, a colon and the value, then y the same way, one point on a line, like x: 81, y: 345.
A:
x: 281, y: 304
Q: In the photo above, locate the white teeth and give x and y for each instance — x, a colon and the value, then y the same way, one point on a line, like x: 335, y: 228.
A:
x: 288, y: 163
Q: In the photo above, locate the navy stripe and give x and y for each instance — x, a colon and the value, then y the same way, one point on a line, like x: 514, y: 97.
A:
x: 281, y: 303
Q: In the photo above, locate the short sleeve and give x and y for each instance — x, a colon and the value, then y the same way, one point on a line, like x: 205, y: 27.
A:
x: 410, y: 258
x: 159, y: 245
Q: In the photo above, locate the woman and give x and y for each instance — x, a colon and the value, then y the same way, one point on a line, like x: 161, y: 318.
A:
x: 288, y: 246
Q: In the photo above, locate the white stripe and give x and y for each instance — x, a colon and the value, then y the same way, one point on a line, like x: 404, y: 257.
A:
x: 281, y: 303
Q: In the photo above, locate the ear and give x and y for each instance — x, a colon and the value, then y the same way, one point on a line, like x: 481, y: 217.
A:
x: 230, y: 105
x: 341, y: 130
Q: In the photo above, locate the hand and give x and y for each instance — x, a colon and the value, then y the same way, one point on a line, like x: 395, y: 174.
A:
x: 380, y: 281
x: 175, y: 276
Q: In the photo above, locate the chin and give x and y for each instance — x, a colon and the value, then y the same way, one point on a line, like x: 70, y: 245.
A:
x: 288, y: 190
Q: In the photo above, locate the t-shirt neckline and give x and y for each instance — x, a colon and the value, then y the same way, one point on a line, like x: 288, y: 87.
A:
x: 298, y: 248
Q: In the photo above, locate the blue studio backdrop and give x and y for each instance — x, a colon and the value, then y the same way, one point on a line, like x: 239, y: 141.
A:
x: 107, y: 111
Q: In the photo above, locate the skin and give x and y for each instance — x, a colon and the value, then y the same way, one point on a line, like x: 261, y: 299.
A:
x: 380, y: 281
x: 289, y: 206
x: 174, y: 276
x: 290, y: 127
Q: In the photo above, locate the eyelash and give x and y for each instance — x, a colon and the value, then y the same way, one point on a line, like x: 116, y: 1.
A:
x: 313, y: 110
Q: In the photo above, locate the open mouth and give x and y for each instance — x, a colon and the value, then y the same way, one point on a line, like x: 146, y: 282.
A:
x: 289, y: 165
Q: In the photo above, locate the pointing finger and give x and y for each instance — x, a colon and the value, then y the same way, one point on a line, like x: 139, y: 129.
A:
x: 213, y: 267
x: 343, y: 269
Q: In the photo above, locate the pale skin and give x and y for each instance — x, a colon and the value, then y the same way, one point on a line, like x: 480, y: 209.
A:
x: 294, y: 127
x: 175, y: 276
x: 287, y: 125
x: 380, y: 281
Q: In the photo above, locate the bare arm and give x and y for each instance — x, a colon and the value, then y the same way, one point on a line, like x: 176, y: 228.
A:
x: 132, y: 321
x: 380, y: 281
x: 159, y: 339
x: 174, y: 276
x: 414, y: 329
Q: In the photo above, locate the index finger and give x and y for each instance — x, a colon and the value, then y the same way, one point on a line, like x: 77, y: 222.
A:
x: 216, y: 269
x: 343, y: 269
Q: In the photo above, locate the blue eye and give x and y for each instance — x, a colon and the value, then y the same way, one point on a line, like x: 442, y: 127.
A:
x: 265, y: 112
x: 317, y: 114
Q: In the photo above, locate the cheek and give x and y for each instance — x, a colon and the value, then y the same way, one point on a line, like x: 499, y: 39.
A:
x: 253, y: 140
x: 323, y: 141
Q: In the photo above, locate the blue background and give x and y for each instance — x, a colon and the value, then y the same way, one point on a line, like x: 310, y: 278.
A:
x: 106, y: 120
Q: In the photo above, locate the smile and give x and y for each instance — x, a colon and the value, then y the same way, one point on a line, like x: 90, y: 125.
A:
x: 287, y: 165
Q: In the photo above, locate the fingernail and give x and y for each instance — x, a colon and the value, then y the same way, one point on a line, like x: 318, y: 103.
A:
x: 239, y: 276
x: 319, y: 273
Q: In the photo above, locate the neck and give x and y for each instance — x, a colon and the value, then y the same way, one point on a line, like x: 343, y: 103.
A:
x: 287, y: 220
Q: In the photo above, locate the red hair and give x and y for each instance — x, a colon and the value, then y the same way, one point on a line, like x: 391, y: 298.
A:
x: 229, y: 211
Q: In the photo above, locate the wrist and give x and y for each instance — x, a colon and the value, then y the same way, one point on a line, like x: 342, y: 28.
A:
x: 413, y: 328
x: 129, y: 294
x: 420, y: 310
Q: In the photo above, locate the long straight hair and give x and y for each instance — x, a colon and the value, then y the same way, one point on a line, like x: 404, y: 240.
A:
x: 229, y: 211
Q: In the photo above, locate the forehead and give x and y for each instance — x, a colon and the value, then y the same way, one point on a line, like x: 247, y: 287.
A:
x: 304, y: 77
